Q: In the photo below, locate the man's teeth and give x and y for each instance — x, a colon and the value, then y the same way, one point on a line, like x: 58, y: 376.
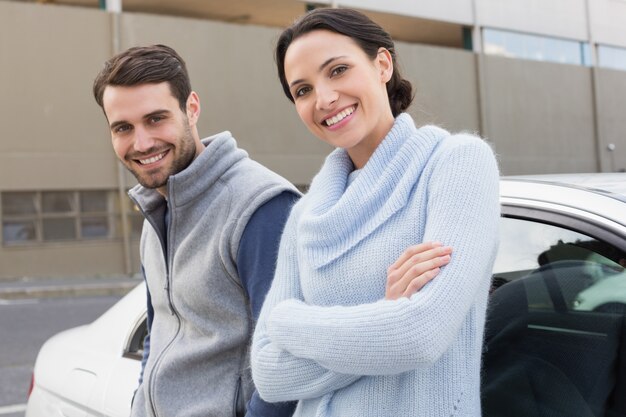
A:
x: 340, y: 116
x: 153, y: 159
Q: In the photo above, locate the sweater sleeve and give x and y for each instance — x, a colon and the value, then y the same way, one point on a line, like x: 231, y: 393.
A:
x: 390, y: 337
x: 278, y: 375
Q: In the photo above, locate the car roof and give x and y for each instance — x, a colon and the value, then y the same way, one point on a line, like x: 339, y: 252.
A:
x: 607, y: 183
x: 603, y: 194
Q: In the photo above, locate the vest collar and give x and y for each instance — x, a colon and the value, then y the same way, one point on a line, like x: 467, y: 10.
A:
x: 220, y: 154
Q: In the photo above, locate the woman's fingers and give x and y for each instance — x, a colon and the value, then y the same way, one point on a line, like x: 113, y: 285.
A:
x: 416, y: 257
x: 416, y: 271
x: 419, y: 275
x: 411, y: 251
x: 417, y: 283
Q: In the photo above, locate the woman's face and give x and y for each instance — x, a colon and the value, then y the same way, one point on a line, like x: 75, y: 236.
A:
x: 339, y: 92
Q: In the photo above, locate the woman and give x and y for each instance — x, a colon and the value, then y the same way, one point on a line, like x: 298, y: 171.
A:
x: 327, y: 335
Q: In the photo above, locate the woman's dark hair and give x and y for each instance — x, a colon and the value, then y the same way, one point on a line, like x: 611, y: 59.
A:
x: 366, y: 33
x: 145, y: 65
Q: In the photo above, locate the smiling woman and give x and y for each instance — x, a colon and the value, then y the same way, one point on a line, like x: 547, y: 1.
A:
x: 335, y: 333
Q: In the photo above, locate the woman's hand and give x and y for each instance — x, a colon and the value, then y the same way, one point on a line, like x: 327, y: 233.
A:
x: 415, y: 268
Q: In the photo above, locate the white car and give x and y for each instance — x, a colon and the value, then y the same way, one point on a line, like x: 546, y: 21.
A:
x: 92, y: 370
x: 556, y: 327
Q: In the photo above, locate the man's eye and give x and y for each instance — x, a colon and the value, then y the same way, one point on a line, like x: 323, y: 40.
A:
x: 122, y: 129
x: 338, y: 70
x: 156, y: 119
x: 302, y: 91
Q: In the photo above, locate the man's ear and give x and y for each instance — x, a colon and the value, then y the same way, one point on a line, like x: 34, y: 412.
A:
x: 385, y: 64
x: 193, y: 108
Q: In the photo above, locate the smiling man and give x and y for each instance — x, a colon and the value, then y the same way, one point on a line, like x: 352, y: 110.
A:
x: 213, y: 220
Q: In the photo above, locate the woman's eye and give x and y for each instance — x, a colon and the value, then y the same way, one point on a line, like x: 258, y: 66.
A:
x: 338, y: 70
x: 302, y: 91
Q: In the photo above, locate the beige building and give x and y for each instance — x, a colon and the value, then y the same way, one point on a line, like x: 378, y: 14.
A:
x: 543, y: 80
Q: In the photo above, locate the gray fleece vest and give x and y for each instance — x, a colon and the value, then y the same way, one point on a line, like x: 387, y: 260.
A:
x: 200, y: 336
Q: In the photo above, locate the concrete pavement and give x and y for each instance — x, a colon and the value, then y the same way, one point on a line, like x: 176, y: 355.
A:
x: 21, y: 288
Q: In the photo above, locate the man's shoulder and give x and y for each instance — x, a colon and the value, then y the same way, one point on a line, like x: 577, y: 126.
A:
x: 223, y: 158
x: 249, y: 175
x: 244, y: 178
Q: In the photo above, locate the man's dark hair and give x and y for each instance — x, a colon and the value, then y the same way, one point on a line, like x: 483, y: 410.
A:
x: 145, y: 65
x: 366, y: 33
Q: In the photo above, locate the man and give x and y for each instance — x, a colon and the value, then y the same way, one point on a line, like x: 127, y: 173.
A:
x: 213, y: 220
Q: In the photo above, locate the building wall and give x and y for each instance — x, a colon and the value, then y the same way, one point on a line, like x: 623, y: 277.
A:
x: 50, y: 124
x: 607, y: 21
x: 611, y: 93
x: 445, y: 83
x: 539, y: 116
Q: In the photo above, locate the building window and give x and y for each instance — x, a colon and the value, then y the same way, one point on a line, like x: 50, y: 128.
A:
x: 58, y: 216
x: 94, y: 208
x: 19, y: 211
x: 535, y: 47
x: 612, y: 57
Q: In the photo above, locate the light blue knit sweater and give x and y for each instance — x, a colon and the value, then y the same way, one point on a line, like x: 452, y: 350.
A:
x: 327, y: 337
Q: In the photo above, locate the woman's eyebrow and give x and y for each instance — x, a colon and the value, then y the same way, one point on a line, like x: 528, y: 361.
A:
x: 321, y: 67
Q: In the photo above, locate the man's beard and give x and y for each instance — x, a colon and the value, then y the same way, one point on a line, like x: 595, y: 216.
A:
x: 185, y: 152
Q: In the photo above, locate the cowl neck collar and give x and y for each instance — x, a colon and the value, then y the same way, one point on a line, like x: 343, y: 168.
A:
x: 336, y: 217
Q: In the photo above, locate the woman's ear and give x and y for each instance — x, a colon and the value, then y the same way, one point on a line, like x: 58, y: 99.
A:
x: 384, y: 63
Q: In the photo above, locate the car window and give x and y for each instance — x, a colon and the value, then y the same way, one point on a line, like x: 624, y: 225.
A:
x: 555, y: 337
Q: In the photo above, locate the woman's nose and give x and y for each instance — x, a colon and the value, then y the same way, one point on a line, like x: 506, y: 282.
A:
x: 326, y: 97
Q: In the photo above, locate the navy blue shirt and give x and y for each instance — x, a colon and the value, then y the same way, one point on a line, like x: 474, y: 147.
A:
x: 256, y: 262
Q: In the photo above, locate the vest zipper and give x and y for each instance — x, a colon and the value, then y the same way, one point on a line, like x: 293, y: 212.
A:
x: 166, y: 254
x: 169, y: 261
x: 167, y: 258
x: 168, y: 288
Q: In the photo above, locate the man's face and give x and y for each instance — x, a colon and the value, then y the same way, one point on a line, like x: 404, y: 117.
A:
x: 151, y: 135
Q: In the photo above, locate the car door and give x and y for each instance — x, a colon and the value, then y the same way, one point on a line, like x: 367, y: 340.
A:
x: 555, y: 337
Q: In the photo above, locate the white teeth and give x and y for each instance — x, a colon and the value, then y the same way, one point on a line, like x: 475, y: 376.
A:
x: 153, y: 159
x: 340, y: 116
